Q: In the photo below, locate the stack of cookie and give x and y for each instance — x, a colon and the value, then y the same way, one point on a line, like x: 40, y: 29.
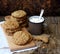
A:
x: 20, y: 16
x: 15, y: 21
x: 11, y: 26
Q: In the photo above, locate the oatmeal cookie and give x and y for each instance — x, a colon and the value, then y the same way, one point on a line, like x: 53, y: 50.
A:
x: 10, y: 24
x: 10, y: 32
x: 20, y: 20
x: 18, y: 14
x: 20, y: 38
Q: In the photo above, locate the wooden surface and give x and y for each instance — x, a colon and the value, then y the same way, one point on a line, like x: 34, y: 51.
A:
x: 53, y: 25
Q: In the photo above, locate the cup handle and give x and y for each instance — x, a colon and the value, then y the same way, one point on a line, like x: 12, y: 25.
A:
x: 45, y: 25
x: 46, y: 28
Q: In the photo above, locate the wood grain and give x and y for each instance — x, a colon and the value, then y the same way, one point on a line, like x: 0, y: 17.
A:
x: 53, y: 25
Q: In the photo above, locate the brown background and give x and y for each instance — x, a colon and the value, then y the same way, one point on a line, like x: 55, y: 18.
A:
x: 32, y: 7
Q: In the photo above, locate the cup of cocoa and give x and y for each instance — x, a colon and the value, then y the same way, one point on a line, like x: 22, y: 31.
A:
x: 35, y: 25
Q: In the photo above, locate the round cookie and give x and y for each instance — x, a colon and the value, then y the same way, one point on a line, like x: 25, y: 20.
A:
x: 20, y: 38
x: 7, y: 17
x: 10, y: 24
x: 19, y: 13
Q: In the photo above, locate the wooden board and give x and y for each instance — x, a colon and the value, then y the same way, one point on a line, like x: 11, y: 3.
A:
x: 14, y: 47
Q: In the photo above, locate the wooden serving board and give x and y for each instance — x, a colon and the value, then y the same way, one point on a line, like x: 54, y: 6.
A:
x: 14, y: 47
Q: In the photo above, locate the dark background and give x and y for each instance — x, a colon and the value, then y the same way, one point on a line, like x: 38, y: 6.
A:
x: 32, y: 7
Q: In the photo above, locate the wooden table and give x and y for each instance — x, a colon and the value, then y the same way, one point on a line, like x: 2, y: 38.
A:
x: 53, y: 25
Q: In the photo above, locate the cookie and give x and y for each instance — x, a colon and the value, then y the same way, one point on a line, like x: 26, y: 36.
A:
x: 19, y: 14
x: 20, y: 20
x: 10, y: 32
x: 10, y: 24
x: 7, y: 17
x: 20, y: 38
